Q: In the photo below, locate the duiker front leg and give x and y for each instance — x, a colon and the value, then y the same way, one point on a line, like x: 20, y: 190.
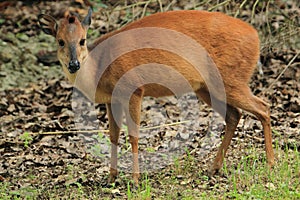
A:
x: 132, y: 113
x: 115, y: 120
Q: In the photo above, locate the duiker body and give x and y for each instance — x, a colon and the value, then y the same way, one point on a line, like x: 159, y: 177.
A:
x: 231, y: 45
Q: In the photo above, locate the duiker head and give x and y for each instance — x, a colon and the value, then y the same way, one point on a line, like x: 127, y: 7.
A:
x: 70, y: 34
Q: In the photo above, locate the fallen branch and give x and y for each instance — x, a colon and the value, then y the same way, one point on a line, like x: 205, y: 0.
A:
x: 103, y: 130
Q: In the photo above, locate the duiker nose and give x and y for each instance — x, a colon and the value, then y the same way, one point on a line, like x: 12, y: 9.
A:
x: 74, y: 65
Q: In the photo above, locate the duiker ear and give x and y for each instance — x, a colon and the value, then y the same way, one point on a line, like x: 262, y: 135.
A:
x: 48, y: 24
x: 86, y: 22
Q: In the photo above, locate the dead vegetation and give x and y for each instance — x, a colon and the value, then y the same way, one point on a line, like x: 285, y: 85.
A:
x: 36, y: 99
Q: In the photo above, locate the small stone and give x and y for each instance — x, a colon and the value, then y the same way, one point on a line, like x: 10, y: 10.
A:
x: 116, y: 191
x: 270, y: 186
x: 11, y: 108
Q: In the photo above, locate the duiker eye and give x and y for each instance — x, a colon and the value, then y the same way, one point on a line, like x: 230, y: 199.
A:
x: 82, y: 42
x: 61, y: 43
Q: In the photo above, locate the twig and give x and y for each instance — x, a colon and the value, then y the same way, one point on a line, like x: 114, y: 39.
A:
x: 269, y: 41
x: 163, y: 125
x: 134, y: 5
x: 105, y: 131
x: 218, y: 5
x: 278, y: 77
x: 241, y: 6
x: 170, y: 5
x: 253, y: 9
x: 160, y: 6
x: 267, y: 16
x: 145, y: 8
x: 202, y: 3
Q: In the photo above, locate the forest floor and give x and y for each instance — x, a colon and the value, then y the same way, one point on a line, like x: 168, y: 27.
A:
x: 44, y: 156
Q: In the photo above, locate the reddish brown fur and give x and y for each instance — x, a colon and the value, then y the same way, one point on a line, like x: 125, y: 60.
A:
x: 231, y: 43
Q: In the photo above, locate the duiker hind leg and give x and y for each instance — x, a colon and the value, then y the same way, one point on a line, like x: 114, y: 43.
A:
x: 231, y: 117
x: 245, y: 100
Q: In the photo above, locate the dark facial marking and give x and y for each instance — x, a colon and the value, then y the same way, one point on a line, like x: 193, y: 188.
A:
x: 74, y: 64
x: 71, y: 19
